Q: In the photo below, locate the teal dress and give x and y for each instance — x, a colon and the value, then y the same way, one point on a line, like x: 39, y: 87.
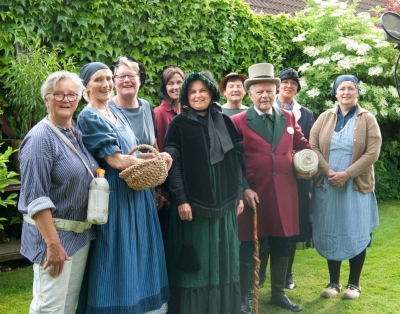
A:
x: 342, y: 218
x: 126, y: 269
x: 214, y: 289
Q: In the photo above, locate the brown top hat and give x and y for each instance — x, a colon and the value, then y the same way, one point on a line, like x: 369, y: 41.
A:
x: 222, y: 84
x: 260, y: 73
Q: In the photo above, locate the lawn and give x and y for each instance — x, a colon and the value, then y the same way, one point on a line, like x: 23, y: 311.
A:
x: 380, y: 280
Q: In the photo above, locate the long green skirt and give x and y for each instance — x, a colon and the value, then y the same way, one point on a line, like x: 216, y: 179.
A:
x: 215, y: 287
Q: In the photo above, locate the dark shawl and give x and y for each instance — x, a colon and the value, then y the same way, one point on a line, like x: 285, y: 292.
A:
x: 187, y: 141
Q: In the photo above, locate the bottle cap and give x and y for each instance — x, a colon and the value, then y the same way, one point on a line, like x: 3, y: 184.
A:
x: 100, y: 172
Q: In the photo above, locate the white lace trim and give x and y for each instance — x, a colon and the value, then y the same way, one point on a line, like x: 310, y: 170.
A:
x: 162, y: 310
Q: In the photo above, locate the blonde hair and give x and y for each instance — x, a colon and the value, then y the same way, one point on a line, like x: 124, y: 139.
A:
x: 125, y: 61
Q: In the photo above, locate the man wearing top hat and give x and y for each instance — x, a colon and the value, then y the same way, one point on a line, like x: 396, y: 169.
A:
x: 270, y: 136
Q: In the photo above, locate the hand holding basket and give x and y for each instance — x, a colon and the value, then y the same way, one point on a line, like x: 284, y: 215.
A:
x: 147, y: 174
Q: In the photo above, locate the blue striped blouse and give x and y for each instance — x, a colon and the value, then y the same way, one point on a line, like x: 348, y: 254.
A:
x: 53, y: 176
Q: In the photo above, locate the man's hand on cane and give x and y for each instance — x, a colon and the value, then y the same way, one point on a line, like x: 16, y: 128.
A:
x: 251, y: 198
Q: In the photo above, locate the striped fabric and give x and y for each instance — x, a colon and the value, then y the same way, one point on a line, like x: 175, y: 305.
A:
x: 53, y: 176
x: 126, y: 271
x: 343, y: 218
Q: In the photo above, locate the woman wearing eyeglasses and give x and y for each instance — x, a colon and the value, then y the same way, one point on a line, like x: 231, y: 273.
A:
x: 129, y: 77
x: 54, y: 196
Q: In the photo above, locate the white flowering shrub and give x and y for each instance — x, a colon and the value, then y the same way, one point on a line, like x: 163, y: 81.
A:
x: 339, y: 41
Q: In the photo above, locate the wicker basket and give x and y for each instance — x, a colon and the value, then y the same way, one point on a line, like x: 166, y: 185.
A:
x: 148, y: 173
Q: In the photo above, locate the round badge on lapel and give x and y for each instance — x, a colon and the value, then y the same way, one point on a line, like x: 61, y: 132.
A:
x: 290, y: 130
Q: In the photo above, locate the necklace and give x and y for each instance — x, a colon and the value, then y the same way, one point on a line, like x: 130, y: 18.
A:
x: 105, y: 111
x: 108, y: 113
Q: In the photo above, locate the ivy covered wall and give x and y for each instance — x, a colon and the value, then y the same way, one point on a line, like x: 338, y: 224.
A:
x: 218, y: 35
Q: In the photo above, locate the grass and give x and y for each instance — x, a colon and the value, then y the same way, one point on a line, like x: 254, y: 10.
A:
x: 380, y: 278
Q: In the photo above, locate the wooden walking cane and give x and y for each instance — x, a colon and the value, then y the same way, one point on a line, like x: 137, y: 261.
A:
x: 257, y: 262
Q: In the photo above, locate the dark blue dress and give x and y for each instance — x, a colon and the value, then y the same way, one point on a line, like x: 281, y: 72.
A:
x: 126, y: 271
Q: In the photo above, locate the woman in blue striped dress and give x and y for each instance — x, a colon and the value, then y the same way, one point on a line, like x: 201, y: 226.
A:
x: 54, y: 199
x: 347, y: 141
x: 126, y: 271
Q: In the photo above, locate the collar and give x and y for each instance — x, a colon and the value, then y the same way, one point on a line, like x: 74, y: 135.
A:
x: 241, y: 107
x: 295, y: 108
x: 166, y: 105
x: 260, y: 113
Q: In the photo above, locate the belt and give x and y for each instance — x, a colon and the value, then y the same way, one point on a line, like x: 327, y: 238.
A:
x: 64, y: 224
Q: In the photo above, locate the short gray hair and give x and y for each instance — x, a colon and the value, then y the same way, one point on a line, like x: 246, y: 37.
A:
x: 50, y: 84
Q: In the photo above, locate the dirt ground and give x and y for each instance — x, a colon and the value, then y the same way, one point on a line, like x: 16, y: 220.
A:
x: 14, y: 265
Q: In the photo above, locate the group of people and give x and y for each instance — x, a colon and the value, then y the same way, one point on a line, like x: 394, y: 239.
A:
x: 187, y: 246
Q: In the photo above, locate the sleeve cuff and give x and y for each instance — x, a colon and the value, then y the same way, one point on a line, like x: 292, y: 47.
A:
x: 181, y: 197
x: 246, y: 185
x: 108, y: 150
x: 40, y: 204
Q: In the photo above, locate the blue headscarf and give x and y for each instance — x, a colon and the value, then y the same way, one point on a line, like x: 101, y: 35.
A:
x: 341, y: 79
x: 89, y: 69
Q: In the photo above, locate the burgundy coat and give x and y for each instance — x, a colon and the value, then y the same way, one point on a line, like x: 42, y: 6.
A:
x: 270, y: 173
x: 163, y: 115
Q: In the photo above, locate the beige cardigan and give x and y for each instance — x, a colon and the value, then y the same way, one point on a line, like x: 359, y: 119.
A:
x: 366, y: 147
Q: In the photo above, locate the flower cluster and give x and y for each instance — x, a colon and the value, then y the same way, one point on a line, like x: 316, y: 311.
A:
x: 353, y: 45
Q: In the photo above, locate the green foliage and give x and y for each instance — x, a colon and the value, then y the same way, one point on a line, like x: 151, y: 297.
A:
x: 27, y: 74
x: 218, y: 35
x: 7, y: 178
x: 337, y: 42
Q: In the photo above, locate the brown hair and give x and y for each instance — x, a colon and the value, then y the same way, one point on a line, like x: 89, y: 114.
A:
x: 169, y: 72
x: 233, y: 78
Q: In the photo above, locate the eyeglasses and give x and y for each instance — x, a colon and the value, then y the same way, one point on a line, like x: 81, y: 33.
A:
x: 294, y: 84
x: 61, y: 96
x: 123, y: 76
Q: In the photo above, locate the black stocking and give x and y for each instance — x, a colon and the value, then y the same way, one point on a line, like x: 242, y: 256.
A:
x: 334, y: 271
x: 356, y: 265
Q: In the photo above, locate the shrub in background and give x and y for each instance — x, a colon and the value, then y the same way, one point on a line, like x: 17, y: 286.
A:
x: 27, y: 73
x: 6, y: 178
x: 338, y: 41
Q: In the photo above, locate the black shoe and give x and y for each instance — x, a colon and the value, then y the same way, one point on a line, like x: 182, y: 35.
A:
x: 263, y: 277
x: 245, y: 307
x: 289, y: 281
x: 284, y: 302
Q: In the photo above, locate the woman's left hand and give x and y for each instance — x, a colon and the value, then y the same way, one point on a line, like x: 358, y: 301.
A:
x: 239, y: 208
x: 338, y: 179
x: 185, y: 211
x: 168, y: 158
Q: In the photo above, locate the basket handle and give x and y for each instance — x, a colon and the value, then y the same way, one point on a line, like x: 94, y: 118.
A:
x: 144, y: 146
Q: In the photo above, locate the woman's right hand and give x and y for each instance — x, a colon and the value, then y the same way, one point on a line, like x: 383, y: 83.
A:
x: 185, y: 211
x: 56, y: 256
